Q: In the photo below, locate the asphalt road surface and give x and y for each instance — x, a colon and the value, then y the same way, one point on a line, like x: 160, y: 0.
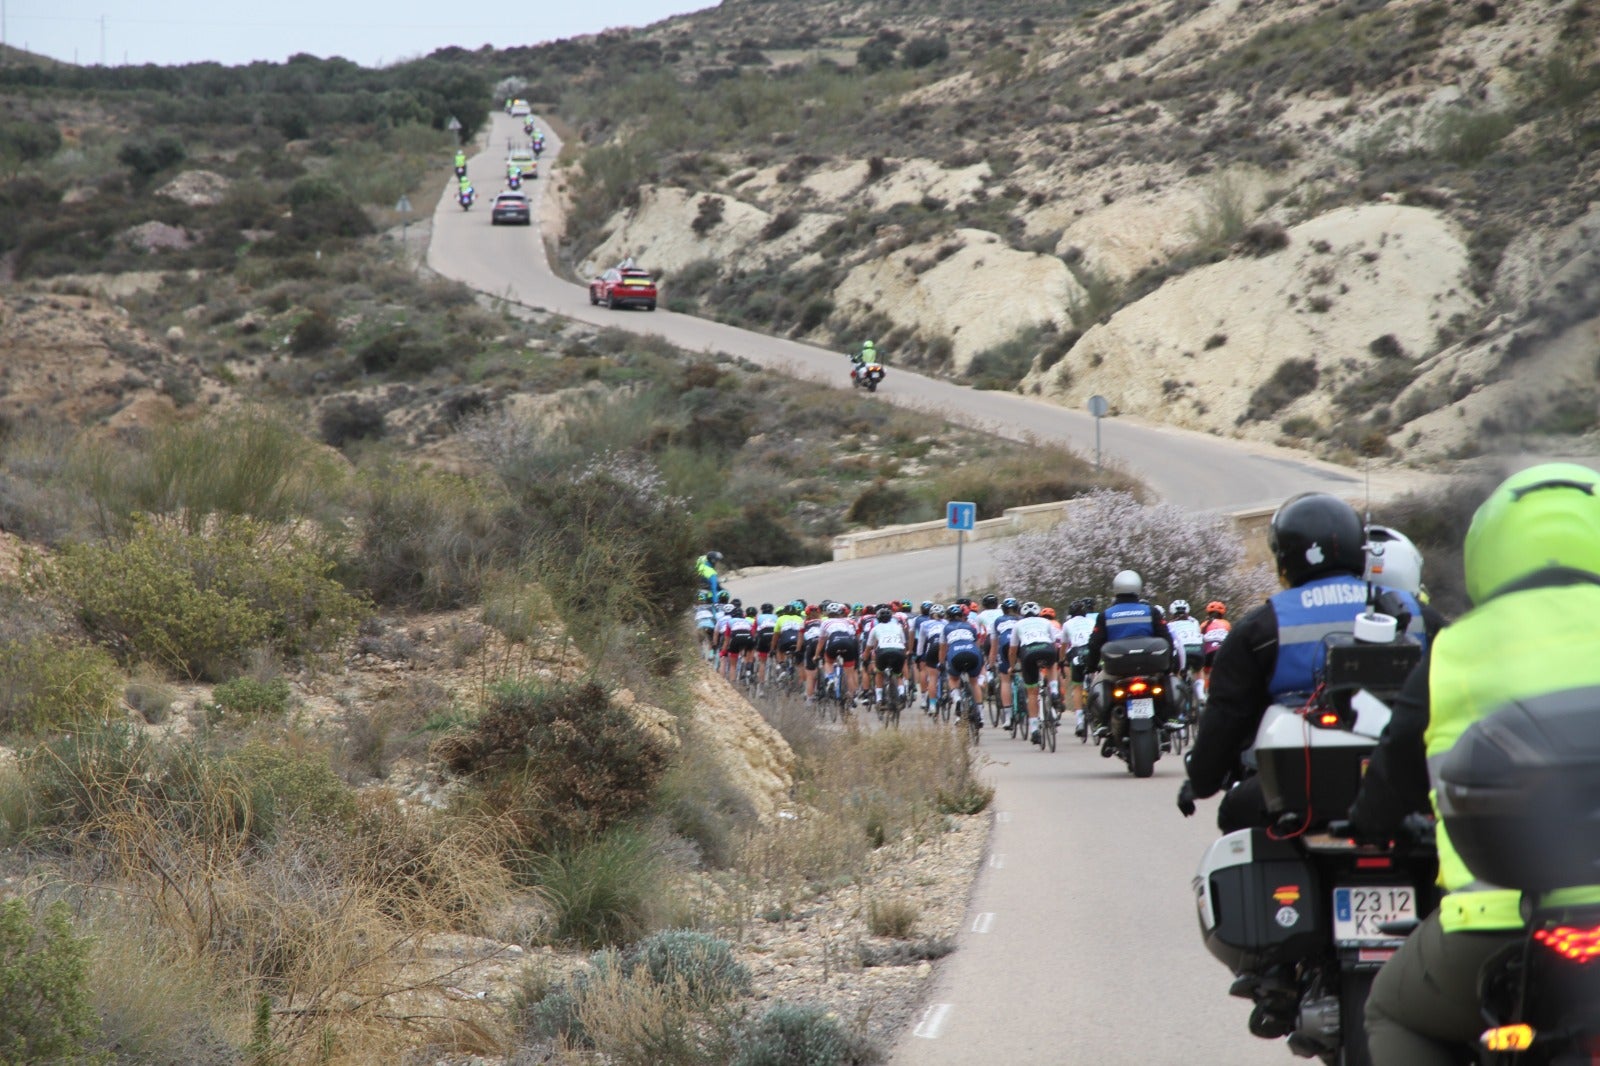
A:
x: 1192, y: 469
x: 1081, y: 945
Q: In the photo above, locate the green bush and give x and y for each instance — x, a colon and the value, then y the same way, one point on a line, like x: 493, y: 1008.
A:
x: 251, y: 698
x: 792, y: 1035
x: 607, y: 891
x: 589, y: 763
x: 198, y: 601
x: 425, y: 540
x: 1292, y: 379
x: 47, y: 684
x: 287, y: 782
x: 703, y: 963
x: 45, y: 1011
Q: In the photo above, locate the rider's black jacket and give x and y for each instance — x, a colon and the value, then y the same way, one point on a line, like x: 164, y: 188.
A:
x: 1237, y: 697
x: 1396, y: 780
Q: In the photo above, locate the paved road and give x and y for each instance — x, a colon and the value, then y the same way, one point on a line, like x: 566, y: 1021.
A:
x: 1191, y: 469
x: 1081, y: 945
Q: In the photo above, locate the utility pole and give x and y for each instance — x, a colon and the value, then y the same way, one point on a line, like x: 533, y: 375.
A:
x: 102, y: 40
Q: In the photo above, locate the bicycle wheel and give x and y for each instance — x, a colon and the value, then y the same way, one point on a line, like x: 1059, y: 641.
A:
x: 1047, y: 729
x: 1019, y: 717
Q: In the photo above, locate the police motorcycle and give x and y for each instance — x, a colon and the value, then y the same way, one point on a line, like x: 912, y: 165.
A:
x: 1303, y: 916
x: 1133, y: 688
x: 465, y: 198
x: 867, y: 375
x: 514, y: 180
x: 1519, y: 795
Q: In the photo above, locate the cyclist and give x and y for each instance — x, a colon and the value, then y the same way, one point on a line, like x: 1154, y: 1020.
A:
x: 766, y: 636
x: 810, y: 638
x: 838, y: 642
x: 742, y: 641
x: 705, y: 569
x: 1213, y: 631
x: 1006, y: 619
x: 1033, y: 650
x: 887, y: 643
x: 928, y: 655
x: 1079, y: 627
x: 791, y: 620
x: 963, y: 662
x: 705, y: 623
x: 1185, y: 630
x: 986, y: 619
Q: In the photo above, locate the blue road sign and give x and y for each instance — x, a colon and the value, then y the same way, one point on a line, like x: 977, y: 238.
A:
x: 960, y: 515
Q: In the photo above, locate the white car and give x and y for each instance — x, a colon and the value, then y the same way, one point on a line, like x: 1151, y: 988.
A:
x: 520, y: 109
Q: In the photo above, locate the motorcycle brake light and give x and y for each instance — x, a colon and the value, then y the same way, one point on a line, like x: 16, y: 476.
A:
x: 1517, y: 1037
x: 1137, y: 687
x: 1374, y: 862
x: 1574, y: 945
x: 1156, y: 691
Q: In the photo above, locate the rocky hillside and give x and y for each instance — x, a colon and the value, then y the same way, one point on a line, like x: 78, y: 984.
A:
x: 1358, y: 226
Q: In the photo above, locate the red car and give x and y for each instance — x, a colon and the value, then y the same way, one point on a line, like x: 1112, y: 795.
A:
x: 624, y: 286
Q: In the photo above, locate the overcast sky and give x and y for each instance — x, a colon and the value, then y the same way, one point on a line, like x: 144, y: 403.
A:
x: 370, y: 32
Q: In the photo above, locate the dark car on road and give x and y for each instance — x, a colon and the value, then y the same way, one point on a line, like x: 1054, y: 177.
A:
x: 624, y: 286
x: 512, y: 209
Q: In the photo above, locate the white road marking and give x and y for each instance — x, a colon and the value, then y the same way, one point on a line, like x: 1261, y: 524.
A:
x: 983, y: 922
x: 997, y: 862
x: 932, y: 1021
x: 1002, y: 816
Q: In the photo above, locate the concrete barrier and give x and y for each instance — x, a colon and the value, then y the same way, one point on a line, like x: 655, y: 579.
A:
x: 1251, y: 525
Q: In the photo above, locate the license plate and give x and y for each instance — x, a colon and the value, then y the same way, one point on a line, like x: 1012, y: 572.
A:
x: 1141, y: 708
x: 636, y: 284
x: 1360, y: 913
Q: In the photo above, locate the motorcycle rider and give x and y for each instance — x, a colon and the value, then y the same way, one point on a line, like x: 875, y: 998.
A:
x: 867, y: 354
x: 1126, y: 616
x: 461, y: 160
x: 705, y: 567
x: 1319, y: 545
x: 1532, y: 561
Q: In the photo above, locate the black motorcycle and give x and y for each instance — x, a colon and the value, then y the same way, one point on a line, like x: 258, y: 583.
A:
x: 1133, y: 700
x: 1519, y: 795
x: 1305, y: 917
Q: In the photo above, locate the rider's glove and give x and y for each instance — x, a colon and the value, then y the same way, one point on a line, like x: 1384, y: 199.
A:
x: 1186, y: 798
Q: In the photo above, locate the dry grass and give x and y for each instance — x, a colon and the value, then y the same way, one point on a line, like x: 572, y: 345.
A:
x: 895, y: 918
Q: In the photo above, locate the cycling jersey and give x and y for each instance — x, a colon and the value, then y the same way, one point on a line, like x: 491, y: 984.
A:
x: 704, y: 616
x: 1079, y: 627
x: 766, y: 623
x: 1030, y: 632
x: 887, y: 637
x: 1003, y: 628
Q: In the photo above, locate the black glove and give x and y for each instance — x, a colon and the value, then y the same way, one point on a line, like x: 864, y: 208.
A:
x: 1186, y: 798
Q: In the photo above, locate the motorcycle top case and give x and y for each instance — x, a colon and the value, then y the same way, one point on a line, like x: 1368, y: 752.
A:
x: 1259, y: 902
x: 1136, y: 657
x: 1519, y: 793
x: 1307, y: 768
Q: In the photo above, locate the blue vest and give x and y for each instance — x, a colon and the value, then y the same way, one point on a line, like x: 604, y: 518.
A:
x: 1124, y: 620
x: 1309, y: 612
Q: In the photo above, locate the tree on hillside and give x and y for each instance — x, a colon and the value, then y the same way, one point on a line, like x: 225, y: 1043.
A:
x: 22, y: 143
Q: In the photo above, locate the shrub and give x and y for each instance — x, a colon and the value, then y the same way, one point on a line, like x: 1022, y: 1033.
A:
x: 287, y: 782
x: 893, y: 918
x: 252, y: 698
x: 1004, y: 365
x: 792, y: 1035
x: 922, y: 51
x: 1466, y: 138
x: 1178, y: 553
x: 43, y: 964
x: 877, y: 54
x: 780, y: 223
x: 606, y: 891
x: 149, y: 694
x: 703, y: 964
x: 1292, y: 379
x: 350, y: 419
x: 315, y: 331
x: 1264, y: 238
x: 424, y: 539
x: 761, y: 534
x: 47, y: 683
x: 198, y: 601
x: 148, y: 158
x: 589, y: 763
x: 879, y: 504
x: 709, y: 215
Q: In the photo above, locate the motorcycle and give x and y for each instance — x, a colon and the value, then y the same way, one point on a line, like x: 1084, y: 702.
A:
x: 867, y: 376
x: 465, y: 199
x: 514, y: 181
x: 461, y: 170
x: 1519, y: 794
x: 1134, y: 701
x: 1303, y: 916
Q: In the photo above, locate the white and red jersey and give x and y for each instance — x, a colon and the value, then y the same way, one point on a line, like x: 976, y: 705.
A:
x: 838, y: 627
x: 1214, y: 632
x: 810, y: 629
x: 739, y: 625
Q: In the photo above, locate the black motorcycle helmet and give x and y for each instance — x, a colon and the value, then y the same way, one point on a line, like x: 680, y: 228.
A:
x: 1315, y: 534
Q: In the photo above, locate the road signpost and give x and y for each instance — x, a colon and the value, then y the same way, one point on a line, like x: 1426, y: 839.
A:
x: 960, y: 516
x: 403, y: 206
x: 1098, y: 406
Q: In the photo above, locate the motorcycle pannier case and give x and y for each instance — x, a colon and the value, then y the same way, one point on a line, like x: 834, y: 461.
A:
x: 1519, y: 793
x: 1259, y: 902
x: 1308, y: 769
x: 1136, y: 657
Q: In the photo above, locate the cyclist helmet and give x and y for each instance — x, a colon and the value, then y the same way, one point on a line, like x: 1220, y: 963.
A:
x: 936, y: 611
x: 925, y: 606
x: 713, y: 557
x: 1315, y: 534
x: 857, y: 608
x: 1217, y: 607
x: 738, y: 605
x: 1030, y: 610
x: 1088, y: 605
x: 722, y: 596
x: 766, y: 608
x: 703, y: 597
x: 1178, y: 608
x: 1545, y: 516
x: 749, y: 612
x: 812, y: 610
x: 1048, y: 612
x: 956, y: 610
x: 990, y: 601
x: 837, y: 610
x: 1009, y: 603
x: 1127, y: 583
x: 884, y: 614
x: 1392, y: 560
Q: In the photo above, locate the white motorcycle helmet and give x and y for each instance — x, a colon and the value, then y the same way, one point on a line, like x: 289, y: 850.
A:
x: 1127, y: 583
x: 1392, y: 560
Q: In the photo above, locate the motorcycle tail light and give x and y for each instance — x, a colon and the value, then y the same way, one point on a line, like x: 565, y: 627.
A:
x: 1138, y: 688
x: 1118, y: 693
x: 1517, y: 1037
x: 1575, y: 945
x: 1156, y: 691
x: 1328, y: 719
